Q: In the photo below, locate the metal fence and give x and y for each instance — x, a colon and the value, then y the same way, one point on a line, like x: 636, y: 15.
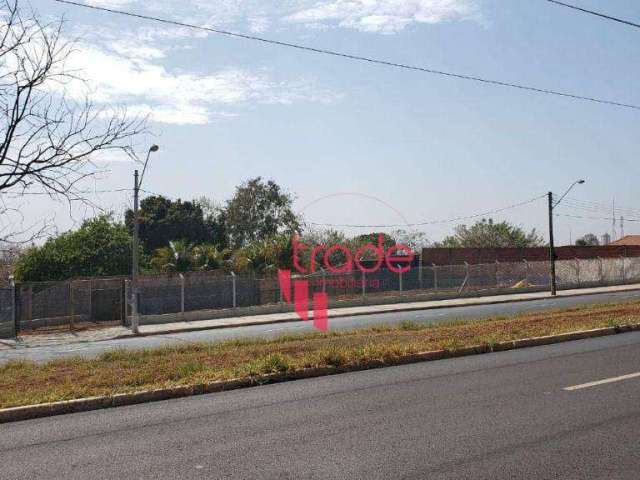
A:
x: 7, y: 309
x: 178, y: 294
x: 72, y: 304
x: 104, y: 301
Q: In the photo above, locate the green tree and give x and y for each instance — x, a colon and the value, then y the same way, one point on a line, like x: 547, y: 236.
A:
x: 264, y: 256
x: 259, y: 210
x: 414, y: 239
x: 589, y: 240
x: 100, y: 247
x: 487, y: 234
x: 328, y: 238
x: 209, y: 257
x: 181, y: 256
x: 177, y: 257
x: 163, y: 221
x: 215, y: 219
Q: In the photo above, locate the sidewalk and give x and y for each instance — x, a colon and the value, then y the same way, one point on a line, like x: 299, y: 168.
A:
x: 89, y: 336
x: 373, y: 309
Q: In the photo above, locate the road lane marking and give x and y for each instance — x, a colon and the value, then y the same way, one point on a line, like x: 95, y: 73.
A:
x: 602, y: 382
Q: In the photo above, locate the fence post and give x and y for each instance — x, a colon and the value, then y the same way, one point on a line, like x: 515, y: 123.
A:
x: 30, y: 302
x: 623, y: 272
x: 233, y: 284
x: 90, y: 300
x: 435, y: 277
x: 182, y: 295
x: 578, y: 270
x: 466, y: 278
x: 601, y: 270
x: 324, y: 280
x: 14, y: 317
x: 127, y: 301
x: 420, y: 271
x: 71, y: 309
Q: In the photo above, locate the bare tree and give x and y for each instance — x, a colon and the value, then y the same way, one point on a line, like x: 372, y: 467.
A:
x: 49, y: 140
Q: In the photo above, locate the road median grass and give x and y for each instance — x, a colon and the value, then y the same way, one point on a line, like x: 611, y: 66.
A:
x: 127, y: 371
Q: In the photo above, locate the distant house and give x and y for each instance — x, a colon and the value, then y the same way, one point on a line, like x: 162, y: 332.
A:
x: 628, y: 240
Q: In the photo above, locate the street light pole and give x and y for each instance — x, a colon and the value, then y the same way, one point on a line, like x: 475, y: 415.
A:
x: 137, y: 181
x: 552, y: 248
x: 134, y: 256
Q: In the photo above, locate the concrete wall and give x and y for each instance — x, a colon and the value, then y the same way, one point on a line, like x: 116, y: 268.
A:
x: 407, y: 297
x: 474, y: 256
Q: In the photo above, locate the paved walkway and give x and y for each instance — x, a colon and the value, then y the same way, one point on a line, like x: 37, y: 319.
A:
x: 371, y: 309
x: 90, y: 336
x: 89, y: 349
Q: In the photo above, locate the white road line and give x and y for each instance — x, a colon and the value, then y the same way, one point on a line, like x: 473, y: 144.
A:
x: 602, y: 382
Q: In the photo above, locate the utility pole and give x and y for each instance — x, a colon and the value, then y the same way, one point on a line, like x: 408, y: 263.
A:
x: 134, y: 256
x: 552, y: 249
x: 613, y: 221
x: 135, y: 318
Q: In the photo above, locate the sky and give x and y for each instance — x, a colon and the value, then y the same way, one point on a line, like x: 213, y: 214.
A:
x: 365, y: 144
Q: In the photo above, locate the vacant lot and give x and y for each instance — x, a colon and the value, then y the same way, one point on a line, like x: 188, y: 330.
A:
x: 23, y: 383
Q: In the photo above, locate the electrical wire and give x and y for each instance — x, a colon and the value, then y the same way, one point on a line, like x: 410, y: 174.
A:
x: 86, y: 192
x: 594, y: 218
x: 599, y: 207
x: 433, y: 222
x: 353, y: 57
x: 598, y: 14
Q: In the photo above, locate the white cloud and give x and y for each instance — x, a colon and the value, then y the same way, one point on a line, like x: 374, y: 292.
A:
x: 110, y: 3
x: 257, y: 16
x: 383, y: 16
x: 141, y: 83
x: 134, y: 64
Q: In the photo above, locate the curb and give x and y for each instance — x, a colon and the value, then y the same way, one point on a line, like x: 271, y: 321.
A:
x: 399, y: 309
x: 30, y: 412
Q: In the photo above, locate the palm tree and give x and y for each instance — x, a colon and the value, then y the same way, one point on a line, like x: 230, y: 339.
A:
x: 177, y: 257
x: 264, y: 256
x: 209, y: 257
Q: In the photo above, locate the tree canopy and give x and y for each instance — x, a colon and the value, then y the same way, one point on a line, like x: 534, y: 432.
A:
x: 163, y: 220
x: 259, y: 210
x: 487, y: 234
x: 100, y: 247
x: 588, y: 240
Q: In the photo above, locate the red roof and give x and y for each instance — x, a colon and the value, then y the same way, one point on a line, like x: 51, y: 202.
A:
x: 627, y: 240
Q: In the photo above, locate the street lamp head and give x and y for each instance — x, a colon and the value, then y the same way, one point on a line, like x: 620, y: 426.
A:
x: 153, y: 148
x: 580, y: 182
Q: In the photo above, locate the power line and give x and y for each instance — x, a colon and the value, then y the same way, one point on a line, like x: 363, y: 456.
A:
x: 56, y: 194
x: 598, y: 14
x: 598, y: 206
x: 433, y: 222
x: 86, y: 192
x: 594, y: 218
x: 354, y: 57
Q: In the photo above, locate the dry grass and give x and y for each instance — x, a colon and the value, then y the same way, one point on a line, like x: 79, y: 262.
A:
x: 121, y: 371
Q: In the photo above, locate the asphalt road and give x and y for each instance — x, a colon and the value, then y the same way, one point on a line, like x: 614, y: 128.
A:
x: 495, y: 416
x: 50, y: 352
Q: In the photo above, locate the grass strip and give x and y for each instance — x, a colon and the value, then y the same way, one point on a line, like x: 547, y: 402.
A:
x: 125, y: 371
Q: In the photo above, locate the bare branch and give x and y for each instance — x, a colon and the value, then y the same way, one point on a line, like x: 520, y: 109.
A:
x: 48, y: 140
